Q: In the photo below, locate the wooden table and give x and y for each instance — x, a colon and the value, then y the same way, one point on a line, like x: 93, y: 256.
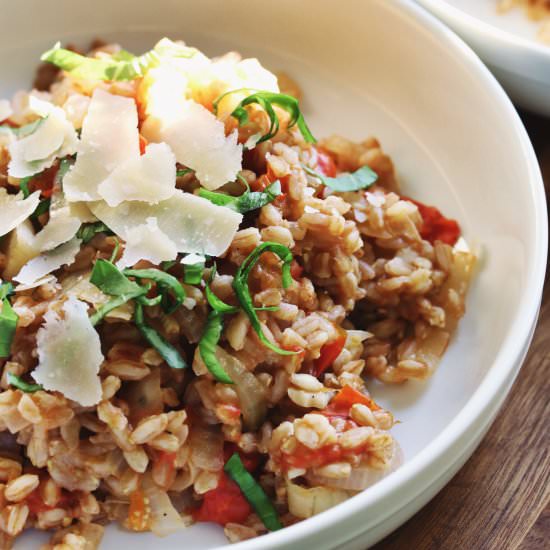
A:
x: 501, y: 497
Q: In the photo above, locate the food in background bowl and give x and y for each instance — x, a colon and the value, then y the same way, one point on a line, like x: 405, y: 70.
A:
x: 536, y: 10
x: 193, y: 291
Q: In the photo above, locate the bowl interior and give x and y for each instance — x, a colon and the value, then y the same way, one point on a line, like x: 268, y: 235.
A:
x: 449, y: 131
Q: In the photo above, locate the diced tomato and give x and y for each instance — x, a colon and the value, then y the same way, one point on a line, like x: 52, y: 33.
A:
x: 261, y: 183
x: 342, y: 402
x: 325, y: 163
x: 36, y: 503
x: 142, y: 144
x: 224, y: 504
x: 329, y: 352
x: 435, y: 226
x: 250, y: 461
x: 138, y: 512
x: 168, y: 458
x: 304, y: 457
x: 296, y: 270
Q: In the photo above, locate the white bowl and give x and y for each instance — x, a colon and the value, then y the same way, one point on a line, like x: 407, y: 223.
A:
x: 392, y: 70
x: 507, y: 43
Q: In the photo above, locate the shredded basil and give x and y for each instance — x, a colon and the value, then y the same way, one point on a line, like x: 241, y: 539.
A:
x: 24, y: 186
x: 115, y: 68
x: 166, y: 350
x: 207, y: 347
x: 192, y: 273
x: 89, y: 230
x: 249, y: 200
x: 165, y: 282
x: 8, y: 320
x: 360, y: 179
x: 20, y: 384
x: 117, y: 301
x: 266, y: 100
x: 42, y: 208
x: 110, y: 280
x: 183, y: 171
x: 240, y: 285
x: 253, y: 492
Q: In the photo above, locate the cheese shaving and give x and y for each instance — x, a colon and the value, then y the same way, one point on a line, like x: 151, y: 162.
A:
x: 147, y: 242
x: 44, y: 264
x: 192, y: 223
x: 15, y: 209
x: 109, y: 138
x: 69, y: 352
x: 150, y: 177
x: 54, y: 138
x: 198, y: 140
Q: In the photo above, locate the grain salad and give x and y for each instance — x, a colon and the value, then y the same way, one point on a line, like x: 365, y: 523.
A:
x: 536, y: 10
x: 195, y: 293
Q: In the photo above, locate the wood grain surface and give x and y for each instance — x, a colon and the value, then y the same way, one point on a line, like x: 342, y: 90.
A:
x: 501, y: 498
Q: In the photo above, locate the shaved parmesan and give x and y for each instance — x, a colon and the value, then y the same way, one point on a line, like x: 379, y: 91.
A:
x: 44, y: 264
x: 61, y: 228
x: 5, y: 109
x: 54, y: 137
x: 150, y: 177
x: 109, y: 138
x: 36, y: 284
x: 15, y: 209
x: 147, y: 242
x: 20, y: 248
x: 69, y: 352
x: 192, y: 259
x: 198, y: 140
x: 76, y: 108
x: 192, y: 223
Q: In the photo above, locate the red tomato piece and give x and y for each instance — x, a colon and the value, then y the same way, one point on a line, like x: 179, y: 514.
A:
x: 325, y: 164
x: 435, y: 226
x: 329, y: 352
x: 347, y: 397
x: 296, y: 270
x: 224, y: 504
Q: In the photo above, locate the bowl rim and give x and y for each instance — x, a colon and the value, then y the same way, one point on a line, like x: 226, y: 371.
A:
x: 505, y: 38
x: 498, y: 380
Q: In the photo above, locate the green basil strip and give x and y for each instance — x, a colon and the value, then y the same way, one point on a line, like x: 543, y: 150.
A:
x: 166, y: 350
x: 42, y: 208
x: 24, y: 186
x: 89, y: 230
x: 125, y: 67
x: 240, y: 285
x: 8, y: 324
x: 110, y: 280
x: 192, y: 273
x: 165, y: 282
x: 360, y: 179
x: 266, y: 100
x: 144, y: 301
x: 183, y: 172
x: 217, y: 304
x: 207, y: 347
x: 117, y: 301
x: 20, y: 384
x: 253, y: 492
x: 249, y: 200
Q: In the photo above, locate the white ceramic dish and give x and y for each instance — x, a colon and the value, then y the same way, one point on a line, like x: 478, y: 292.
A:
x: 438, y: 111
x: 507, y: 43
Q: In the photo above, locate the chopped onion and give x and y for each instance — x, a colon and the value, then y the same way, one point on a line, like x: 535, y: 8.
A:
x: 206, y: 446
x: 144, y: 397
x: 304, y: 503
x: 165, y: 519
x: 252, y: 395
x: 361, y: 477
